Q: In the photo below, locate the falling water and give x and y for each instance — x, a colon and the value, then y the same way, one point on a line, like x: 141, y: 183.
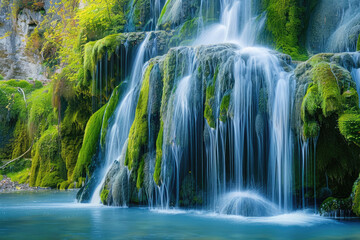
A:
x: 262, y: 102
x: 237, y: 25
x: 229, y: 166
x: 124, y: 117
x: 344, y: 38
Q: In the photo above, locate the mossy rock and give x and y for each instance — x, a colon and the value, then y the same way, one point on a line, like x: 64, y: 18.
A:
x: 104, y: 196
x: 48, y: 169
x: 332, y: 206
x: 90, y: 145
x: 349, y: 126
x: 209, y: 112
x: 224, y: 107
x: 138, y: 135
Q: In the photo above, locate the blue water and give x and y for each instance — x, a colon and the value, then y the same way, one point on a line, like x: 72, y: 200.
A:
x: 55, y: 215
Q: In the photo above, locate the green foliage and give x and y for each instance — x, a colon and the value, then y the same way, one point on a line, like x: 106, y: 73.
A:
x: 209, y: 113
x: 358, y: 44
x: 138, y: 135
x: 159, y: 145
x: 18, y: 171
x: 101, y: 17
x: 21, y: 139
x: 109, y: 110
x: 104, y: 195
x: 41, y: 114
x: 185, y: 33
x: 349, y: 126
x: 140, y: 176
x: 224, y: 107
x: 1, y: 77
x: 14, y: 137
x: 169, y: 69
x: 284, y: 22
x: 326, y: 95
x: 20, y: 177
x: 64, y: 185
x: 328, y: 87
x: 334, y: 204
x: 90, y: 144
x: 48, y: 169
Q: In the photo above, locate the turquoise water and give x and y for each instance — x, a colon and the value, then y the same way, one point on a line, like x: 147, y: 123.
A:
x: 55, y: 215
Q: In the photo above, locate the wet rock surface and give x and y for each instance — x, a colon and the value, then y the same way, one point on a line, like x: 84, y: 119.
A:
x: 6, y: 185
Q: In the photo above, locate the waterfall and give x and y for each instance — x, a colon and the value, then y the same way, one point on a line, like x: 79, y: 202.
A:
x: 344, y: 38
x: 227, y: 143
x: 237, y: 25
x: 124, y: 116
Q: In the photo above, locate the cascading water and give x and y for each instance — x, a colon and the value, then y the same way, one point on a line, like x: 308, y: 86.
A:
x: 227, y: 166
x: 124, y: 117
x: 340, y: 26
x: 237, y: 25
x: 257, y: 72
x: 344, y: 38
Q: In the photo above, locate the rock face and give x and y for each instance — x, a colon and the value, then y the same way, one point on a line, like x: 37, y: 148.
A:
x: 326, y: 105
x: 14, y: 63
x: 340, y: 26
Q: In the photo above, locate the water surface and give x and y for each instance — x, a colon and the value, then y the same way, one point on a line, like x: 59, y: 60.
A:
x: 55, y: 215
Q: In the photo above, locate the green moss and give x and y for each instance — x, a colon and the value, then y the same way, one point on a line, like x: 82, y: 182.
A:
x: 356, y: 197
x: 18, y: 171
x: 329, y: 90
x: 163, y: 11
x: 41, y: 114
x: 358, y: 44
x: 311, y: 129
x: 48, y: 169
x: 224, y: 107
x: 159, y: 146
x: 209, y: 113
x: 331, y: 205
x: 90, y: 144
x: 104, y: 196
x: 311, y: 103
x: 168, y: 78
x: 110, y: 108
x: 21, y: 139
x: 64, y: 185
x: 349, y: 126
x: 138, y: 135
x: 350, y: 99
x: 89, y: 65
x: 140, y: 176
x: 318, y: 58
x: 20, y: 177
x: 185, y: 34
x: 107, y: 44
x: 285, y: 23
